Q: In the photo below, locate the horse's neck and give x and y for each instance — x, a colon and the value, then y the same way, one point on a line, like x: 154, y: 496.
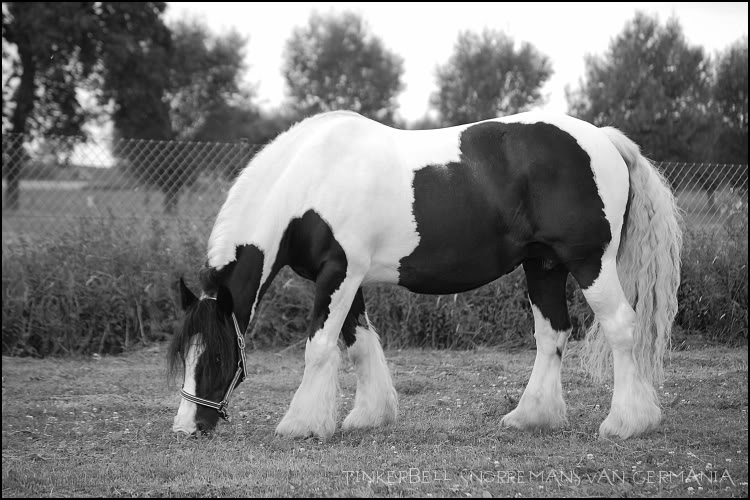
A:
x: 244, y: 279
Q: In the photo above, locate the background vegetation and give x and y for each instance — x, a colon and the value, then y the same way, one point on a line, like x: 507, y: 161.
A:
x: 105, y: 284
x: 86, y: 423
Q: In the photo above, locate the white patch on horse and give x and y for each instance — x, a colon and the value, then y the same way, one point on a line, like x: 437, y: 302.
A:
x: 184, y: 421
x: 376, y: 401
x: 357, y: 174
x: 542, y: 404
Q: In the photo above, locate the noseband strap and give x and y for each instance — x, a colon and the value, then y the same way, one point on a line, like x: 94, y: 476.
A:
x: 221, y: 407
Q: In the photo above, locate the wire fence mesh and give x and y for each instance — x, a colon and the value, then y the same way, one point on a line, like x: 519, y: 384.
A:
x: 51, y: 182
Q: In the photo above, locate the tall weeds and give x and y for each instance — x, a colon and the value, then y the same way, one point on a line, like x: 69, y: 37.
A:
x: 107, y: 286
x: 713, y: 293
x: 102, y: 286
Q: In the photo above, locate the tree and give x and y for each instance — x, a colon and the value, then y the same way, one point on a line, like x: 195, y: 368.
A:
x: 136, y: 70
x: 729, y: 92
x: 654, y: 86
x: 57, y: 45
x: 169, y: 89
x: 488, y: 76
x: 161, y: 83
x: 336, y: 63
x: 205, y: 76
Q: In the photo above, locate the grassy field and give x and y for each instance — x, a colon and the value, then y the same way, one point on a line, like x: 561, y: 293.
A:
x: 101, y: 427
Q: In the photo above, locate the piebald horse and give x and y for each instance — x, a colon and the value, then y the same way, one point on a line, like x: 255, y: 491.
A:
x: 346, y: 201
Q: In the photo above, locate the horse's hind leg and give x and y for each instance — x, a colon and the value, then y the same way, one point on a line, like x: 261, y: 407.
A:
x: 635, y: 405
x: 313, y: 408
x: 542, y: 404
x: 376, y: 402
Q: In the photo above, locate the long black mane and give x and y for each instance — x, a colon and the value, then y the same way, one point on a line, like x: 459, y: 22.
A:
x: 216, y: 336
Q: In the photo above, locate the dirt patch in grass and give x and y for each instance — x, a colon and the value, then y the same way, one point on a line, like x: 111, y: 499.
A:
x: 102, y: 427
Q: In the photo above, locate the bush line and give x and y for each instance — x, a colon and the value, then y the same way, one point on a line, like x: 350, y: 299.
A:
x: 107, y: 286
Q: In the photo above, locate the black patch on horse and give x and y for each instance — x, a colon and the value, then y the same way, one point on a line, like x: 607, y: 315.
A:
x: 313, y: 252
x: 547, y: 291
x: 515, y: 187
x: 241, y: 276
x: 354, y: 318
x: 218, y: 340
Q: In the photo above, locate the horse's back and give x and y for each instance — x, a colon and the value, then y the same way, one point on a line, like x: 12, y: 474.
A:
x: 522, y: 186
x: 436, y: 211
x: 448, y: 210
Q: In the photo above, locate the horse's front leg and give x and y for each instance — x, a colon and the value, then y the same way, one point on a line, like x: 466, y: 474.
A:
x: 313, y: 408
x: 376, y: 402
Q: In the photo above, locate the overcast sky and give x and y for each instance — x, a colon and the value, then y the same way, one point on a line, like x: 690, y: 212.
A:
x: 424, y: 34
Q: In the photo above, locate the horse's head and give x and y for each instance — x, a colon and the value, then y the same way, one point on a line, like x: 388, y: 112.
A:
x: 207, y: 347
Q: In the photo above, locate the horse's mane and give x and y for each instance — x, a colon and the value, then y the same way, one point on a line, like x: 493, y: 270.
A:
x: 216, y: 338
x: 254, y: 181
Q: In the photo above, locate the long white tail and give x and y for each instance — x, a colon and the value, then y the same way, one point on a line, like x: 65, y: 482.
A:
x: 648, y: 265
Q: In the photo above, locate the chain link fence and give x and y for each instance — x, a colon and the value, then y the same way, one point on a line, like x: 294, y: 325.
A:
x: 52, y: 182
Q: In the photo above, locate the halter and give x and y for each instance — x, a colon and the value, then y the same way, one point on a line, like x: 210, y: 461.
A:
x: 221, y: 407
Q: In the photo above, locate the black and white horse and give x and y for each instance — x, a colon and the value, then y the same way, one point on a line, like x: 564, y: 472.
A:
x: 345, y: 201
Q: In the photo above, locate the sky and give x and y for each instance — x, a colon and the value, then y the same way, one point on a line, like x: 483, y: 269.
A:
x: 424, y: 34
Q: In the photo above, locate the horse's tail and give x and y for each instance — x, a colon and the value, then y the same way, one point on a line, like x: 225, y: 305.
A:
x: 648, y: 265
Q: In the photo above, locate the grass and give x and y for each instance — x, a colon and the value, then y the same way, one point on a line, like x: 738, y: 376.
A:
x: 100, y: 426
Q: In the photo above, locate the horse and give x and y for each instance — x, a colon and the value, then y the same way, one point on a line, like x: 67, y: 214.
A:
x: 346, y: 201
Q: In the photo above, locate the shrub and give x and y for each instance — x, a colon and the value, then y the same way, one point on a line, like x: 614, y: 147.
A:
x: 106, y: 286
x: 713, y: 292
x: 102, y: 286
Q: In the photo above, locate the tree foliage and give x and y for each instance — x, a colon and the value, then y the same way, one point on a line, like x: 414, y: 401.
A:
x: 205, y: 77
x: 60, y: 47
x: 172, y: 88
x: 160, y: 82
x: 182, y: 75
x: 336, y: 63
x: 488, y: 76
x: 57, y: 47
x: 136, y: 69
x: 730, y: 97
x: 654, y: 86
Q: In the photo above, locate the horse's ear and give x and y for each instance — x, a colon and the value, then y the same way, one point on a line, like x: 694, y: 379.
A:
x: 186, y: 296
x: 224, y: 300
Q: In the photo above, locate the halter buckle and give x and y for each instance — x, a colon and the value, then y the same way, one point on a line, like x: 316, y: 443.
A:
x: 222, y: 409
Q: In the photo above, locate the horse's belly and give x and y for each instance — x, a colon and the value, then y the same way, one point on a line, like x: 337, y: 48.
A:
x: 459, y: 265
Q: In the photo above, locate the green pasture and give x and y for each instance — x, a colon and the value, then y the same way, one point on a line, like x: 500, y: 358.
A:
x: 101, y: 426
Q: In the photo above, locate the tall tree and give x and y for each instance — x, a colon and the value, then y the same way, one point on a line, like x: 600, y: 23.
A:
x: 160, y: 84
x: 336, y: 63
x: 136, y: 69
x: 205, y: 76
x: 730, y: 91
x: 57, y: 46
x: 654, y: 86
x: 182, y: 78
x: 488, y: 76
